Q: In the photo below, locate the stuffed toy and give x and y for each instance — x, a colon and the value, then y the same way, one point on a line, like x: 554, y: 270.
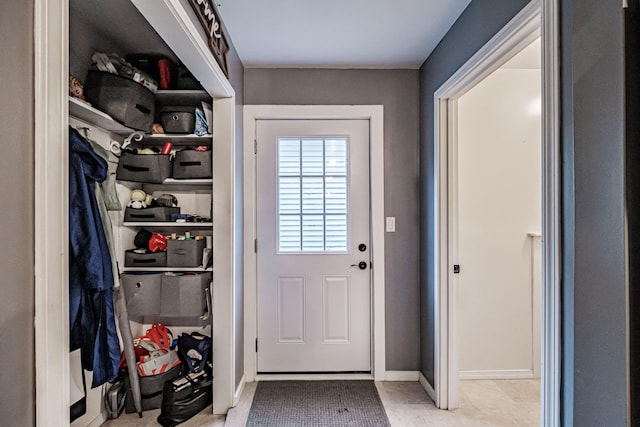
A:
x: 139, y: 200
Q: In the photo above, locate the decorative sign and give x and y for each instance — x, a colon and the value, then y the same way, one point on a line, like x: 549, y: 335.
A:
x: 210, y: 20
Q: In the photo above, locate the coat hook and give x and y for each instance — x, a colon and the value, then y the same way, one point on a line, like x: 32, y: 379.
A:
x: 85, y: 130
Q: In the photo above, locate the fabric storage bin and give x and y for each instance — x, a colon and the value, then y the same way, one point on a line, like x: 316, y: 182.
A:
x: 149, y: 259
x: 191, y: 164
x: 185, y: 80
x: 178, y: 121
x: 185, y: 253
x: 157, y: 214
x: 151, y: 168
x: 126, y: 101
x: 150, y: 389
x: 142, y: 293
x: 183, y: 295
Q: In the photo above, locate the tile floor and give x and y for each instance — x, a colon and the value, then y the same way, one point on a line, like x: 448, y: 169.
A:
x: 483, y: 403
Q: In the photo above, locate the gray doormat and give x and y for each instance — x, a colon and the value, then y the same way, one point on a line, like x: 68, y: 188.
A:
x: 317, y: 403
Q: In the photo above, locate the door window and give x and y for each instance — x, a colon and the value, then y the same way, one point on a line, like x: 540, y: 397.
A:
x: 312, y: 195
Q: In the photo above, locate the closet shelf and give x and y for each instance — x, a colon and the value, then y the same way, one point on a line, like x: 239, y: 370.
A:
x: 167, y: 224
x: 182, y: 97
x: 177, y: 139
x: 166, y: 269
x: 92, y: 116
x: 200, y: 181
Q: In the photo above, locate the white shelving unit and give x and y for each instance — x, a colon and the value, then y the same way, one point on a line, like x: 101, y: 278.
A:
x: 180, y: 36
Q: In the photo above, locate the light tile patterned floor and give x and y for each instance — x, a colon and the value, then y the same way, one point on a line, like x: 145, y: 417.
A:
x: 483, y: 403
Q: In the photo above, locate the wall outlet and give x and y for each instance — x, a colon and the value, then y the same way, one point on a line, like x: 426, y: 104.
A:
x: 391, y: 224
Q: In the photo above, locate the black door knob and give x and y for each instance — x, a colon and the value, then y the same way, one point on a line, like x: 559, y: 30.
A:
x: 362, y: 247
x: 362, y: 265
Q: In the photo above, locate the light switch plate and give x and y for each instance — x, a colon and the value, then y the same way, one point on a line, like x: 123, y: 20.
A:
x: 391, y: 224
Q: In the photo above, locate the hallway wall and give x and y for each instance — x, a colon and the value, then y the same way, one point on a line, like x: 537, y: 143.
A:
x: 17, y: 380
x: 499, y: 204
x: 398, y: 91
x: 594, y: 266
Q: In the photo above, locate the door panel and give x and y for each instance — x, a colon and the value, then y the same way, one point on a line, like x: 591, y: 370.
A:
x: 313, y: 213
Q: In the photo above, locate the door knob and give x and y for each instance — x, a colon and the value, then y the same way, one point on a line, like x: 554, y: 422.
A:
x: 361, y: 265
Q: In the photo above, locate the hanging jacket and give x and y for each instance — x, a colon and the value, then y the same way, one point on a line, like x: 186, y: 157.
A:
x: 91, y: 316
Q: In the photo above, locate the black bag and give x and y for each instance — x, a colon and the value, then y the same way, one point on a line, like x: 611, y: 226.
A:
x: 194, y: 351
x: 185, y: 396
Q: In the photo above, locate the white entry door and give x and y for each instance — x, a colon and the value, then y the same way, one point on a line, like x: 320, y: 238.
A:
x: 314, y: 296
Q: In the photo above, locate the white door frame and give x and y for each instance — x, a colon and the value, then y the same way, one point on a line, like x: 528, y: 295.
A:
x: 51, y: 64
x: 539, y: 17
x: 373, y: 113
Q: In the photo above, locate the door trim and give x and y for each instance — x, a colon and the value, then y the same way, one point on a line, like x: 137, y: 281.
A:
x: 373, y: 113
x: 539, y: 17
x: 51, y: 33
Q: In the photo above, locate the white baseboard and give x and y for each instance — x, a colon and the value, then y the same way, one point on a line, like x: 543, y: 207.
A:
x: 99, y: 420
x: 239, y: 390
x: 426, y: 386
x: 401, y: 376
x: 500, y: 374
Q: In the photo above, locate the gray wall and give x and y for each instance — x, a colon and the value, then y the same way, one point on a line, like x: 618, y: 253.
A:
x: 398, y: 91
x: 477, y: 24
x: 17, y: 382
x: 594, y: 302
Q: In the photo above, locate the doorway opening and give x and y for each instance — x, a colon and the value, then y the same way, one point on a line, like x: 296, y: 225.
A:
x: 537, y: 20
x: 496, y: 199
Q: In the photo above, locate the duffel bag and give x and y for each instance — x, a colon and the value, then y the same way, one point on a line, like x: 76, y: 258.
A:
x: 184, y: 397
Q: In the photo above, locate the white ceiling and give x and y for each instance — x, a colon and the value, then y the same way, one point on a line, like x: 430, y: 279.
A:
x: 337, y: 33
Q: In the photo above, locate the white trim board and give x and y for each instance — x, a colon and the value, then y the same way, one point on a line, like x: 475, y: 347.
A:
x: 51, y: 61
x: 519, y: 32
x: 401, y: 376
x: 426, y: 386
x: 238, y: 394
x: 373, y: 113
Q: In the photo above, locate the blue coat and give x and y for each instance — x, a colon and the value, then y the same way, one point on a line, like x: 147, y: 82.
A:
x: 91, y: 315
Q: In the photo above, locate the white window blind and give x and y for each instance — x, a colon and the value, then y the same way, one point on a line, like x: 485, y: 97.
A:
x: 312, y: 194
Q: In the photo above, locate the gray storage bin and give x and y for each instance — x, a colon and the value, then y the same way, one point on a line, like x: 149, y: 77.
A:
x: 178, y: 121
x: 192, y: 164
x: 126, y: 101
x: 142, y: 293
x: 150, y: 259
x: 157, y: 214
x: 183, y: 295
x: 151, y: 168
x: 185, y: 253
